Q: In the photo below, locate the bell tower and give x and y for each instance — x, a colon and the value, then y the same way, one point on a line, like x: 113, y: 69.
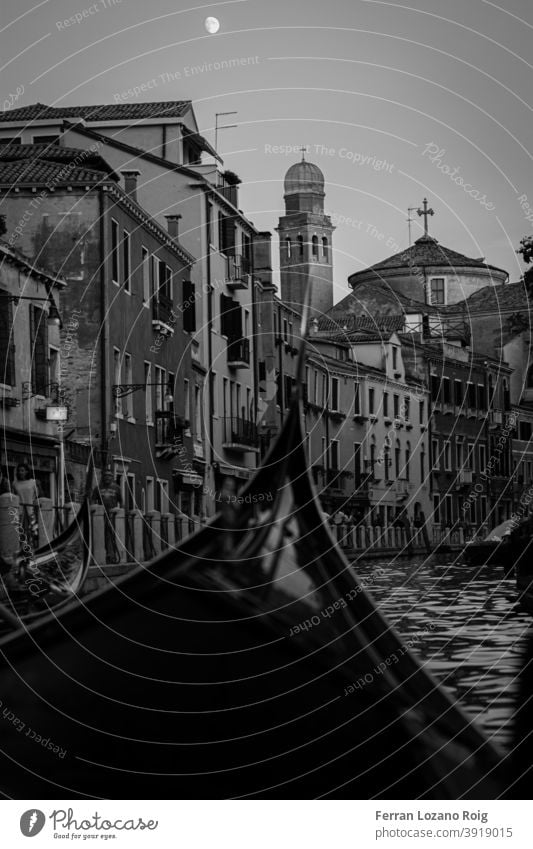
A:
x: 305, y: 249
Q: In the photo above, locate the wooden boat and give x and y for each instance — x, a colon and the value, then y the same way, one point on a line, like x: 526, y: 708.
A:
x: 248, y: 662
x: 491, y: 551
x: 51, y: 577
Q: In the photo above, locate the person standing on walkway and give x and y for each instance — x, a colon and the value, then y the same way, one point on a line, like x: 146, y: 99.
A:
x: 109, y: 496
x: 28, y: 491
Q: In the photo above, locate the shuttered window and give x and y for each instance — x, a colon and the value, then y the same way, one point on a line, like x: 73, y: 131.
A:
x: 39, y: 350
x: 230, y: 317
x: 189, y: 306
x: 7, y: 345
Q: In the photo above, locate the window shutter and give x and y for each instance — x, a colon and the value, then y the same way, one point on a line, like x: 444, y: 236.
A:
x: 39, y: 350
x: 226, y: 308
x: 189, y: 306
x: 228, y: 234
x: 7, y: 347
x: 236, y: 321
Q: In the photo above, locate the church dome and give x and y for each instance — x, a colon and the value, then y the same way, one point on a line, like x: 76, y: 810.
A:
x: 304, y: 177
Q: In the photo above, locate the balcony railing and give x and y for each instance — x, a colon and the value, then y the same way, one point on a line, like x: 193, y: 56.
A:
x: 240, y: 434
x: 163, y: 317
x: 169, y: 428
x: 239, y: 353
x: 238, y: 271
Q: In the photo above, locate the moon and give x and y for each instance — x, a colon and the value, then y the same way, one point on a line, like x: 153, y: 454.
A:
x: 212, y: 25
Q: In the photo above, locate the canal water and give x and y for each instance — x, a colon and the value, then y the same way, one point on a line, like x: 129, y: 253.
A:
x: 467, y: 629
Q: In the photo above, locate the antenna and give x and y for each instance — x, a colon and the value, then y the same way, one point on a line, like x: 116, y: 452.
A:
x: 223, y: 126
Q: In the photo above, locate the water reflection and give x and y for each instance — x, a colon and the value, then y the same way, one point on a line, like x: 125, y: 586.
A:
x: 470, y: 631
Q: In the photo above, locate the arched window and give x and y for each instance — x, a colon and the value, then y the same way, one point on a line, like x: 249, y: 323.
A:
x: 397, y: 460
x: 315, y: 247
x: 386, y: 462
x: 325, y: 248
x: 288, y: 247
x: 301, y: 245
x: 373, y: 458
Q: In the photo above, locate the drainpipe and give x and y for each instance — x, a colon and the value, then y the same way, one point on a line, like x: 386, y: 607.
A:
x: 104, y: 318
x: 209, y: 338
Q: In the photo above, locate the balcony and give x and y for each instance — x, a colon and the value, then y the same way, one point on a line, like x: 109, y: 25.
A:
x: 168, y: 433
x: 464, y: 478
x: 238, y: 272
x: 240, y: 435
x: 239, y: 353
x: 163, y: 316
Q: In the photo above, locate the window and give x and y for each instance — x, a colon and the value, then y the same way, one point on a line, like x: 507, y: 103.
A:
x: 116, y: 379
x: 471, y: 395
x: 371, y: 401
x: 189, y: 307
x: 458, y: 392
x: 148, y: 398
x: 394, y: 357
x: 129, y: 492
x: 435, y: 459
x: 325, y: 251
x: 397, y: 460
x: 285, y: 330
x: 7, y: 343
x: 288, y: 247
x: 314, y: 244
x: 214, y: 397
x: 356, y: 400
x: 13, y: 140
x: 436, y: 509
x: 407, y: 462
x: 481, y: 397
x: 483, y: 508
x: 435, y: 387
x: 334, y: 393
x: 422, y: 465
x: 446, y: 390
x: 357, y: 462
x: 301, y: 246
x: 38, y: 350
x: 447, y: 456
x: 386, y: 460
x: 149, y: 504
x: 45, y: 139
x: 187, y: 403
x: 126, y: 261
x: 162, y: 496
x: 128, y: 379
x: 198, y: 413
x: 448, y: 507
x: 437, y: 290
x: 385, y: 404
x: 421, y: 411
x: 482, y: 457
x: 334, y: 454
x: 225, y: 396
x: 396, y: 405
x: 407, y: 408
x: 459, y: 455
x: 506, y: 396
x: 373, y: 459
x: 146, y: 276
x: 53, y: 365
x: 115, y: 263
x: 159, y: 388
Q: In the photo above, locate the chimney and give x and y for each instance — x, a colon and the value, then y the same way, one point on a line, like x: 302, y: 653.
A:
x: 173, y: 225
x: 130, y: 183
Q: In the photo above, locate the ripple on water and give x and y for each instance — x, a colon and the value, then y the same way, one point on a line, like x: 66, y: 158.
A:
x: 470, y: 632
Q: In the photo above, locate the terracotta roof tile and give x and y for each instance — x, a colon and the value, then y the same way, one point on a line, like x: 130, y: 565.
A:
x: 99, y: 112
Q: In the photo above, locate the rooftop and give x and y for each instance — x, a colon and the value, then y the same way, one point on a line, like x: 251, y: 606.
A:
x: 99, y: 112
x: 425, y: 252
